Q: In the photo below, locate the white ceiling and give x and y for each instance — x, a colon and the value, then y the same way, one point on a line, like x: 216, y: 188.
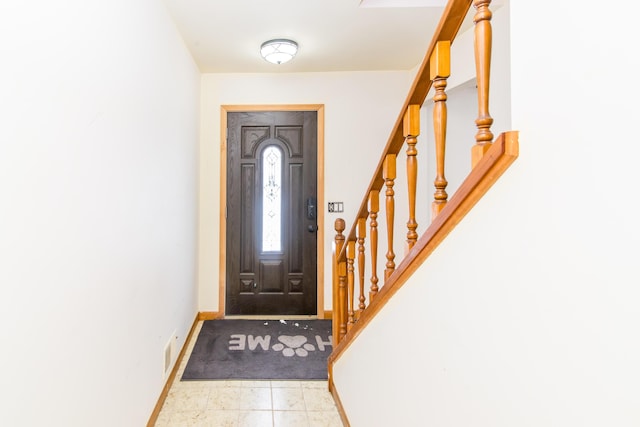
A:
x: 224, y: 36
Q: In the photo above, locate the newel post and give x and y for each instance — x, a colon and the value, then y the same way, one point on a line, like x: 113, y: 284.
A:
x: 339, y: 238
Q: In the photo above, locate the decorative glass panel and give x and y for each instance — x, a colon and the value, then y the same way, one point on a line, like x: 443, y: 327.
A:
x: 271, y: 199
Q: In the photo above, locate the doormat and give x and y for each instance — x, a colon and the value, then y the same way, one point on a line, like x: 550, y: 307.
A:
x: 230, y: 349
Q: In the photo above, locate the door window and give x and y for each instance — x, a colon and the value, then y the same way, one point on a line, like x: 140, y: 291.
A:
x: 271, y: 199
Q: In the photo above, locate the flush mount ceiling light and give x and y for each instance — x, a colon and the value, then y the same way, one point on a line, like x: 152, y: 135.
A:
x: 279, y: 51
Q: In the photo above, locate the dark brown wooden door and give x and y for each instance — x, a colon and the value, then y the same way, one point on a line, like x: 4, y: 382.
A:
x: 271, y: 213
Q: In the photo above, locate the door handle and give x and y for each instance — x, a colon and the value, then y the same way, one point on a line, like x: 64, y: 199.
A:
x: 311, y: 208
x: 312, y: 228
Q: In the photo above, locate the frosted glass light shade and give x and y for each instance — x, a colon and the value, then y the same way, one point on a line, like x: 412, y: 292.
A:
x: 279, y: 51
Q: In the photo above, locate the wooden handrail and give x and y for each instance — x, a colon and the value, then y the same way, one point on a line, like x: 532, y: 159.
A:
x: 448, y: 27
x: 489, y: 160
x: 501, y: 154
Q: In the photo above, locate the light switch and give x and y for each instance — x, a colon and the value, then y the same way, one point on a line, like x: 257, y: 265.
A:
x: 335, y: 207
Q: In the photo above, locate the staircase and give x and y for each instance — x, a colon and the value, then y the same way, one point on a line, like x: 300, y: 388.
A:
x: 367, y: 267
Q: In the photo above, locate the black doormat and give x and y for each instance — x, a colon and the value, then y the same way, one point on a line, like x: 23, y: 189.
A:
x: 260, y: 350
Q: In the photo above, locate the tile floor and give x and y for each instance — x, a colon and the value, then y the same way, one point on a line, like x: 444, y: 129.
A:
x: 247, y: 403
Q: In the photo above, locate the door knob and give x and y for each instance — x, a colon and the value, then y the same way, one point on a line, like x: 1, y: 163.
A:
x: 312, y: 228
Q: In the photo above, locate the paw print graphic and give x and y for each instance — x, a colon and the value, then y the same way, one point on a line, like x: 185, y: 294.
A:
x: 292, y: 345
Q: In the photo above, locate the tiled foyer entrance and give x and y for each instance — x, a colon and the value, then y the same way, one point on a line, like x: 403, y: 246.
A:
x: 247, y: 403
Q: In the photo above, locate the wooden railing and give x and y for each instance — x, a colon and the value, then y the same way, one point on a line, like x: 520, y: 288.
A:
x: 489, y: 159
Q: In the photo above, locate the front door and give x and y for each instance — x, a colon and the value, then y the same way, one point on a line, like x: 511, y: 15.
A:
x: 271, y: 213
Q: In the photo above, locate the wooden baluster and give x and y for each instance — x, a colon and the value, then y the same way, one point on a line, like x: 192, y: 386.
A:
x: 362, y: 233
x: 374, y: 207
x: 439, y: 72
x: 351, y: 255
x: 389, y: 175
x: 411, y: 130
x: 339, y: 226
x: 482, y: 48
x: 342, y: 296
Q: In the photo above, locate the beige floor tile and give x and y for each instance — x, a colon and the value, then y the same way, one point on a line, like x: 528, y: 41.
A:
x: 188, y: 419
x: 324, y: 419
x: 290, y: 419
x: 314, y: 384
x: 222, y: 384
x: 224, y: 398
x: 177, y: 384
x: 181, y: 400
x: 254, y: 384
x: 221, y: 418
x: 255, y: 419
x: 317, y: 399
x: 286, y: 384
x: 288, y: 399
x: 255, y: 398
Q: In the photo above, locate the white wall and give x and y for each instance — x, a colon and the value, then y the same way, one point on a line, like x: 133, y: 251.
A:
x: 98, y: 195
x: 360, y: 110
x: 528, y: 313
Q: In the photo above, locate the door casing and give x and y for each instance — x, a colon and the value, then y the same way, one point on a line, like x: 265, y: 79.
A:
x: 224, y: 109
